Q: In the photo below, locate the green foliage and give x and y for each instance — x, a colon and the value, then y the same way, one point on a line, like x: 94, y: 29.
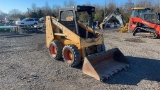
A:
x: 99, y: 16
x: 127, y: 16
x: 34, y: 14
x: 40, y: 14
x: 83, y: 17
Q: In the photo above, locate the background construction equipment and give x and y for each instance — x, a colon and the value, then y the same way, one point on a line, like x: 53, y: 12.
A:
x: 144, y: 20
x: 118, y: 16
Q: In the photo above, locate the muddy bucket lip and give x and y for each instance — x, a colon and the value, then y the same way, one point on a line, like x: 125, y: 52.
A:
x: 105, y: 71
x: 103, y: 65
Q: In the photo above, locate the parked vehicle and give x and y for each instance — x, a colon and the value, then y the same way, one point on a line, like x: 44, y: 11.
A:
x: 27, y: 21
x: 10, y: 23
x: 42, y: 19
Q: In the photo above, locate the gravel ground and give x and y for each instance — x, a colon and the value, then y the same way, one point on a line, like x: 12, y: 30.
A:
x: 26, y: 65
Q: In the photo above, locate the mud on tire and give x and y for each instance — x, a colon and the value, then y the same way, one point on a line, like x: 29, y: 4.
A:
x: 71, y: 55
x: 55, y: 50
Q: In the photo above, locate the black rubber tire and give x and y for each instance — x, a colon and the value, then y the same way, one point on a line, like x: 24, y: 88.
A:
x: 103, y: 47
x: 58, y: 50
x: 76, y: 56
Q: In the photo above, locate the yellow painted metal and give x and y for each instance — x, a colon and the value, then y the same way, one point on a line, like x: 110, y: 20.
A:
x: 66, y: 42
x: 139, y: 8
x: 98, y: 65
x: 85, y: 27
x: 102, y: 25
x: 103, y: 65
x: 49, y: 31
x: 53, y: 28
x: 59, y: 34
x: 124, y: 29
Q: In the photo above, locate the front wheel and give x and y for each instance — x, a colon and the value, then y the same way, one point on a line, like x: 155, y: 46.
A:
x: 71, y: 55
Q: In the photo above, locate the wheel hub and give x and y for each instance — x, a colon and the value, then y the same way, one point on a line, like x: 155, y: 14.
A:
x: 68, y: 55
x: 52, y: 50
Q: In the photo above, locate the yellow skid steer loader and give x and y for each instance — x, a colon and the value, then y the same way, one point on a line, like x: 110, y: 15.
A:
x: 75, y: 42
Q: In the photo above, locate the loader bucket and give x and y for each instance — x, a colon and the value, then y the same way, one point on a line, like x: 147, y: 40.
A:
x: 105, y: 64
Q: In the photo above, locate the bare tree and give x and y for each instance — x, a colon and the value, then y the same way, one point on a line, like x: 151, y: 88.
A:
x: 126, y: 11
x: 55, y: 10
x: 15, y: 14
x: 2, y: 15
x: 34, y: 7
x: 47, y: 9
x: 156, y: 5
x: 144, y: 3
x: 111, y: 7
x: 69, y: 3
x: 128, y: 5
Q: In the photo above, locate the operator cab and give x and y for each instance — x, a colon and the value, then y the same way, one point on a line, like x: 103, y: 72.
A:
x: 77, y: 13
x: 136, y: 12
x: 71, y: 16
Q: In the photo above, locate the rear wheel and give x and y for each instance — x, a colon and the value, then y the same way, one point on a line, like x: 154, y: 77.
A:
x: 55, y: 50
x: 71, y: 55
x: 103, y: 48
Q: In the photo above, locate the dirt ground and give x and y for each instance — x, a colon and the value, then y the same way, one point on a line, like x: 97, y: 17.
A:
x: 26, y: 65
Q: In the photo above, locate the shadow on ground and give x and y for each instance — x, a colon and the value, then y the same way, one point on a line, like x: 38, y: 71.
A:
x: 17, y: 35
x: 140, y: 69
x: 10, y: 35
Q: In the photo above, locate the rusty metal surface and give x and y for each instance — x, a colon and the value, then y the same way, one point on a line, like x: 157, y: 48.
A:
x: 105, y: 64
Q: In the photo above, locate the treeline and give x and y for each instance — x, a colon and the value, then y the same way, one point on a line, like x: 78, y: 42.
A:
x: 101, y: 10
